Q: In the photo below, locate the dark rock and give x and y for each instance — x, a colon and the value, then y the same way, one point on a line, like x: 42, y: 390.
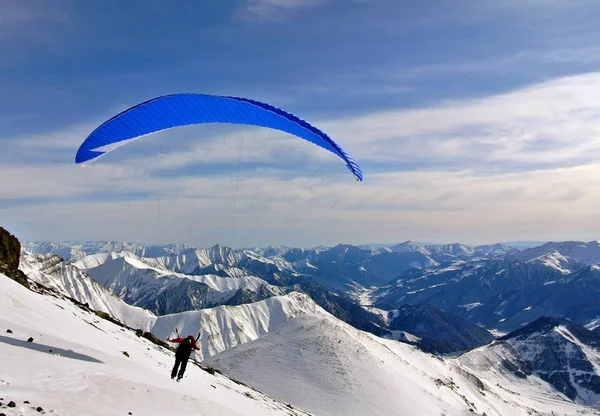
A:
x: 10, y: 254
x: 26, y: 402
x: 9, y: 331
x: 39, y: 409
x: 12, y: 404
x: 30, y: 339
x: 129, y: 413
x: 126, y: 354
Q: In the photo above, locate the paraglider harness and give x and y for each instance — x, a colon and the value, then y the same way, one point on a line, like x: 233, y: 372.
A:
x: 184, y: 349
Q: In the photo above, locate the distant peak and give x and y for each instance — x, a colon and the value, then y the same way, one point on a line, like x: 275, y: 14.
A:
x: 543, y: 324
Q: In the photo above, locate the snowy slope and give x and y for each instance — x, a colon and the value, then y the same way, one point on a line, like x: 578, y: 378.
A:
x: 76, y: 366
x: 325, y: 366
x: 224, y: 327
x: 51, y: 271
x: 332, y: 369
x: 329, y: 368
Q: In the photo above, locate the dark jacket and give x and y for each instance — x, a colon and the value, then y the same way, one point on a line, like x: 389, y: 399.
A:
x: 185, y: 346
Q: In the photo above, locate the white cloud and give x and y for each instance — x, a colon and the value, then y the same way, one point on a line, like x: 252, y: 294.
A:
x: 550, y: 123
x: 438, y: 205
x: 271, y: 10
x: 518, y: 165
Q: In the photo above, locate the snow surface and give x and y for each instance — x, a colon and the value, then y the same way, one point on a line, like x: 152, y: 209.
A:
x: 469, y: 306
x: 593, y: 324
x: 76, y: 366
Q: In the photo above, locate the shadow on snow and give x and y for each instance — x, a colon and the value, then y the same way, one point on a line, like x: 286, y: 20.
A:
x: 48, y: 349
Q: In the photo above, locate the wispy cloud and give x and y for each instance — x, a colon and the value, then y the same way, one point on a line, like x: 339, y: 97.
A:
x: 17, y: 18
x: 271, y: 10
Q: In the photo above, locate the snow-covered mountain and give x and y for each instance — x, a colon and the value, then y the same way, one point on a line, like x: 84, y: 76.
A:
x: 493, y: 250
x: 76, y: 250
x: 219, y: 259
x: 53, y: 272
x: 504, y: 293
x: 339, y: 268
x: 224, y: 327
x: 563, y: 254
x: 79, y: 364
x: 441, y: 253
x: 555, y: 351
x: 146, y: 283
x: 320, y: 364
x: 345, y: 266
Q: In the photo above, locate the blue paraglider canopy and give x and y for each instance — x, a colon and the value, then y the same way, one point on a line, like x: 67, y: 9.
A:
x: 184, y: 109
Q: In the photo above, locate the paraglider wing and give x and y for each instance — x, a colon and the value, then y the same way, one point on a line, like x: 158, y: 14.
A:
x: 184, y: 109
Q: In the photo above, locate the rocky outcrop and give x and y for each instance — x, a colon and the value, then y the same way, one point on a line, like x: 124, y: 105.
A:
x: 10, y: 252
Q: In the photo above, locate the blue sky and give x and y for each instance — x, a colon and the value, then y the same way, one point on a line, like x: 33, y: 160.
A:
x: 474, y: 121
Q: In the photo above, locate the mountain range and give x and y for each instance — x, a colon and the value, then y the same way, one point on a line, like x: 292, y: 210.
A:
x: 269, y: 318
